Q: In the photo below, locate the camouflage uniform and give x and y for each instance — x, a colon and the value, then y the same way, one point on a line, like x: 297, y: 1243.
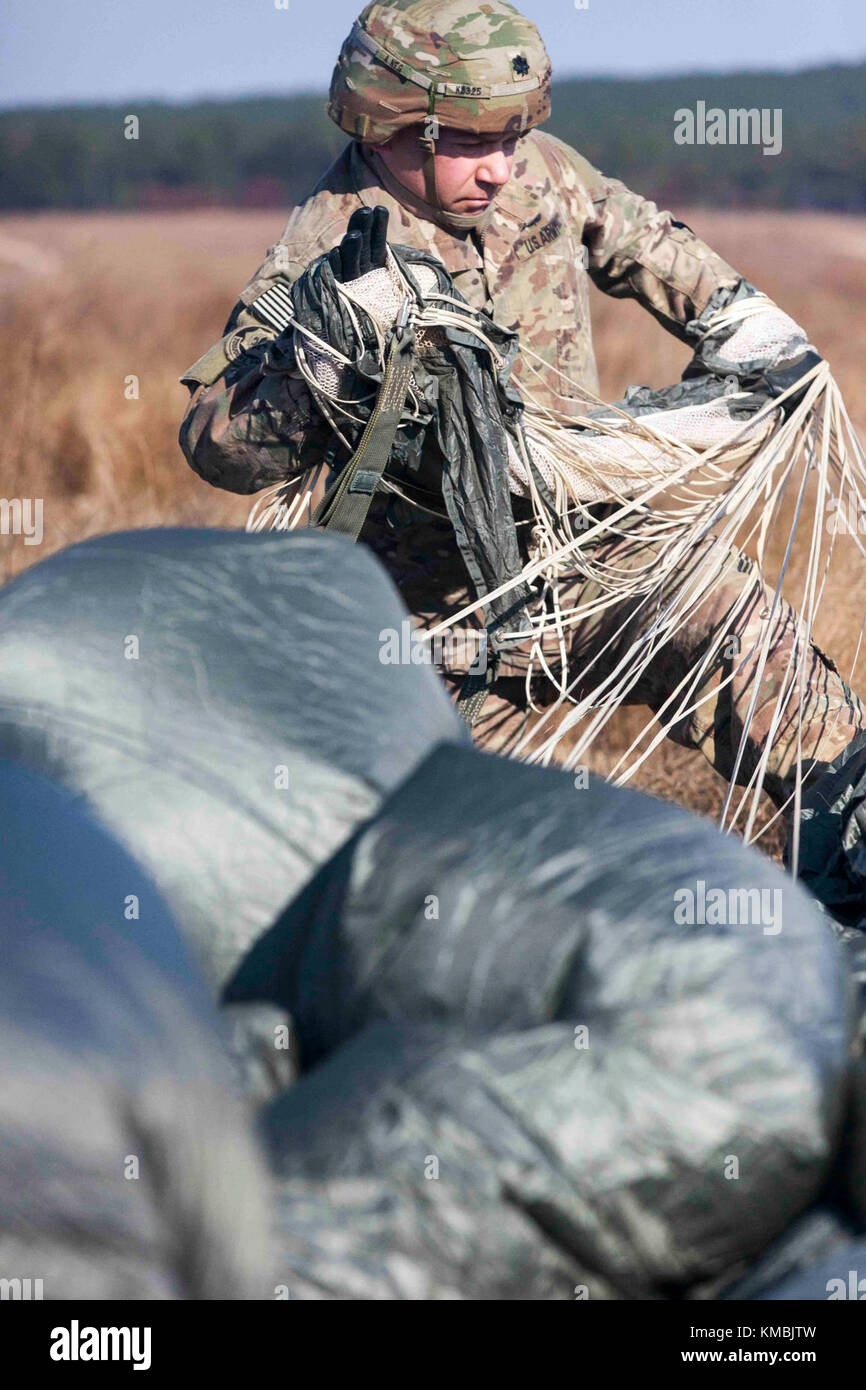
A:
x: 557, y: 224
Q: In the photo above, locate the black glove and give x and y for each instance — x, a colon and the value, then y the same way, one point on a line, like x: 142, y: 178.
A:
x: 363, y: 247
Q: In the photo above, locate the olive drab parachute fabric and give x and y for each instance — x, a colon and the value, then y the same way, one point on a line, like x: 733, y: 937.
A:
x: 832, y: 853
x: 833, y: 837
x: 836, y: 1277
x: 819, y: 1246
x: 222, y: 712
x: 569, y: 1004
x: 584, y: 1044
x: 476, y: 1203
x: 127, y: 1170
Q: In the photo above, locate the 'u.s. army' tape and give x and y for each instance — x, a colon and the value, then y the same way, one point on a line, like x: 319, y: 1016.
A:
x: 274, y: 306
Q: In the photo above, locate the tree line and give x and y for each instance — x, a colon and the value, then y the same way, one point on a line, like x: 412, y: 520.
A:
x: 685, y: 139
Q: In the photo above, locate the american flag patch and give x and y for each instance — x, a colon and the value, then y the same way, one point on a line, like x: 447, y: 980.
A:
x: 274, y: 307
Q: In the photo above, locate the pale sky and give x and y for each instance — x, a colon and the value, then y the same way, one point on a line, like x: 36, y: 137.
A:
x: 60, y: 51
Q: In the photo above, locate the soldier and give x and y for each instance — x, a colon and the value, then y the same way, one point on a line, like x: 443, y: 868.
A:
x: 443, y: 103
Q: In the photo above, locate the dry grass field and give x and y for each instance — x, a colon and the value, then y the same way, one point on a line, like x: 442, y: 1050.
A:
x: 88, y: 301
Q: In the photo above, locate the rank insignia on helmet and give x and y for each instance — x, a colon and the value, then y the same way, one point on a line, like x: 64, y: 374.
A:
x: 481, y: 68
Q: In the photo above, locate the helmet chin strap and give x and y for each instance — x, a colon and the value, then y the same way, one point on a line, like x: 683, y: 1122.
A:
x: 427, y: 142
x: 430, y: 206
x: 429, y: 211
x: 431, y: 193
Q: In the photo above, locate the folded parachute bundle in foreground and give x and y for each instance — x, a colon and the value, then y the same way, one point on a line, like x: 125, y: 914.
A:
x: 528, y: 1057
x: 126, y: 1166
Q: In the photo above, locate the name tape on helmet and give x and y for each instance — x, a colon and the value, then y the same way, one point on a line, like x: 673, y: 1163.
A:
x: 362, y: 39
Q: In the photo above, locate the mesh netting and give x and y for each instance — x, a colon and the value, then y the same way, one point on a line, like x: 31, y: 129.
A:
x: 381, y: 293
x: 755, y: 330
x: 593, y: 466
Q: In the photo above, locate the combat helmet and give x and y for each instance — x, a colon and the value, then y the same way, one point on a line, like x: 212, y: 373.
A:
x: 479, y: 67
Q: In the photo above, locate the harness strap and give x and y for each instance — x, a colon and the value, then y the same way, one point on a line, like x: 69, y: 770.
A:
x: 470, y: 700
x: 345, y: 505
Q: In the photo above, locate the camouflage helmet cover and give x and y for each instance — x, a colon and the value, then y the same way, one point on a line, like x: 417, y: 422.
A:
x: 478, y: 67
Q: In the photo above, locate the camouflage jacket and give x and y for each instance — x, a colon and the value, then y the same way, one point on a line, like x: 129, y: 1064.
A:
x: 557, y: 223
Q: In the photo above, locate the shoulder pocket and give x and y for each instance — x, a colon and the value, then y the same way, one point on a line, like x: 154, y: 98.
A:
x: 219, y: 358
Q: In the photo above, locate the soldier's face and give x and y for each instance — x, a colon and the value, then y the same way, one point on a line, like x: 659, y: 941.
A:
x: 470, y: 169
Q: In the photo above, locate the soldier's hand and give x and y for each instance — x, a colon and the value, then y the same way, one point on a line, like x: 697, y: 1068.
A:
x: 364, y: 246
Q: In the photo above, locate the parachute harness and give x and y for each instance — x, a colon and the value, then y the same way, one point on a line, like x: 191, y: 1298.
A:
x: 702, y: 458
